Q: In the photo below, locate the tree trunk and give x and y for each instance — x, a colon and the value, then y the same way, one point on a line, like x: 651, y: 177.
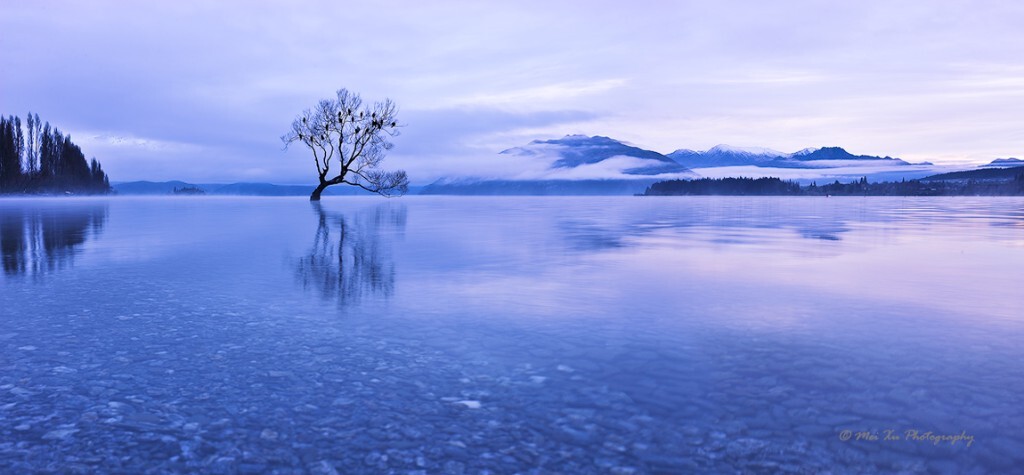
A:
x: 319, y: 189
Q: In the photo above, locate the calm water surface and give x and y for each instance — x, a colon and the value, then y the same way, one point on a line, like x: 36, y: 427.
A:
x: 503, y: 335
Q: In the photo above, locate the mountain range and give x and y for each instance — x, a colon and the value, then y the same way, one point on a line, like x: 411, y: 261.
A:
x: 234, y: 189
x: 584, y: 165
x: 580, y: 164
x: 824, y: 157
x: 574, y: 151
x: 571, y: 165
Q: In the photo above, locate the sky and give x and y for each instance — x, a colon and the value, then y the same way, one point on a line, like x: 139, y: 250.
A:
x: 203, y: 91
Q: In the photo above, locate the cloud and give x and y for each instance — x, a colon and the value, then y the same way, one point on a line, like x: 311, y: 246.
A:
x: 940, y: 81
x: 467, y: 140
x: 102, y: 141
x: 456, y: 128
x: 764, y: 77
x: 539, y: 97
x: 608, y: 169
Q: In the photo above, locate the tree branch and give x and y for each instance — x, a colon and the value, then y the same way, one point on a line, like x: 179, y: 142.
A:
x: 357, y: 136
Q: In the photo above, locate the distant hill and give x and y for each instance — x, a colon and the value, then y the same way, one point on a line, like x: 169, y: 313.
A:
x: 769, y: 186
x: 240, y: 189
x: 266, y: 189
x: 538, y: 187
x: 835, y: 153
x: 982, y: 174
x: 775, y: 186
x: 149, y: 187
x: 1004, y: 162
x: 824, y: 157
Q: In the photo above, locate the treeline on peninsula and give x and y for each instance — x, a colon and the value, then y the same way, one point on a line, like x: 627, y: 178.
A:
x: 39, y: 159
x: 777, y: 187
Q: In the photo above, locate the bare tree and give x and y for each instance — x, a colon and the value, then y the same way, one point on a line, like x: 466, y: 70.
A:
x: 349, y: 142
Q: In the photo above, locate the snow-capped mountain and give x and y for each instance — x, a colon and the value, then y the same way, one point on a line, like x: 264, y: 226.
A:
x: 728, y: 156
x: 573, y: 151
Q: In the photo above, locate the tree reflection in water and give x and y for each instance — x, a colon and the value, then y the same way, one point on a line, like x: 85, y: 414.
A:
x: 350, y: 259
x: 38, y: 239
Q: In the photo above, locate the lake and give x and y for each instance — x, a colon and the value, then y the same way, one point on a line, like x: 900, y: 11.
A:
x: 512, y: 334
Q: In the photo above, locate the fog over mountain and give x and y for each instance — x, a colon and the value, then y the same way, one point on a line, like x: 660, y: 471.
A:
x: 576, y: 157
x: 1004, y: 163
x: 571, y: 165
x: 574, y: 151
x: 582, y: 157
x: 824, y: 157
x: 600, y: 165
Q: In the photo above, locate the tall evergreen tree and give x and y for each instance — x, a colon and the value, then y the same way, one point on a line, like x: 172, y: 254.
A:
x: 37, y: 139
x: 31, y: 146
x: 19, y: 141
x: 42, y: 159
x: 10, y: 161
x: 46, y: 152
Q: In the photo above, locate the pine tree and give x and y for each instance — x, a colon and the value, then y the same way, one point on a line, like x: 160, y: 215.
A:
x: 31, y: 147
x: 10, y: 161
x: 46, y: 152
x: 19, y: 141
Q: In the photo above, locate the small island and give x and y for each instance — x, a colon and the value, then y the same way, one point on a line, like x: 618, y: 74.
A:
x: 39, y: 159
x: 189, y: 190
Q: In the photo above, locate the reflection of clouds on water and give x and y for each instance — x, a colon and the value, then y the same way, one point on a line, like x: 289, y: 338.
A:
x: 1012, y: 219
x: 770, y: 223
x: 711, y: 222
x: 41, y: 238
x: 822, y: 226
x: 583, y: 235
x: 825, y: 236
x: 351, y: 254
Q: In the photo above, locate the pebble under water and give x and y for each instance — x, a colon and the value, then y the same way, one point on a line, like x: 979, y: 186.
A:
x: 467, y: 335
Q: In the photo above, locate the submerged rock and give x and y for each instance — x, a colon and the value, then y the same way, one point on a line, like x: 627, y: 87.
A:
x: 60, y: 434
x: 322, y: 467
x: 268, y: 434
